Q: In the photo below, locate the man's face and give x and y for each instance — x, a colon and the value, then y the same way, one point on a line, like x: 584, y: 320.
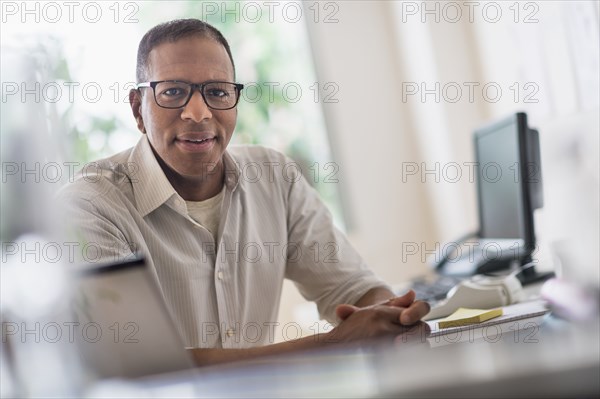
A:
x: 175, y: 134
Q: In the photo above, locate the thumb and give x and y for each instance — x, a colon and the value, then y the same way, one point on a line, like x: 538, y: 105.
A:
x: 344, y: 311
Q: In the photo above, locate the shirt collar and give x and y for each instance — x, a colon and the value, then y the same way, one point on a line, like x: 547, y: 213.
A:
x: 151, y: 188
x: 232, y: 171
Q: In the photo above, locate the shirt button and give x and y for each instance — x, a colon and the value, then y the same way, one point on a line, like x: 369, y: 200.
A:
x: 220, y: 275
x: 230, y: 332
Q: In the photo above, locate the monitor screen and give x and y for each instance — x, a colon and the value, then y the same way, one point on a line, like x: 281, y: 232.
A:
x: 507, y: 177
x: 501, y: 205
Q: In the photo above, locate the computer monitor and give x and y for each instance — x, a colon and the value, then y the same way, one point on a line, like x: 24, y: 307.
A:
x: 509, y: 180
x: 509, y: 186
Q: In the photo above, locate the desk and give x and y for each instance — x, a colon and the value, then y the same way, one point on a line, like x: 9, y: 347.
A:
x: 560, y: 362
x: 564, y: 361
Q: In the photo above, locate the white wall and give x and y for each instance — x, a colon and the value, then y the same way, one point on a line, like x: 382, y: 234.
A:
x: 371, y: 135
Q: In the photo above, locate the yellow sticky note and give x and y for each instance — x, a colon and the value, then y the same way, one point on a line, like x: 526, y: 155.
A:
x: 465, y: 316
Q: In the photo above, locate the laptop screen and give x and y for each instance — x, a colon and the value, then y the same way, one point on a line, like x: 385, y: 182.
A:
x: 126, y: 329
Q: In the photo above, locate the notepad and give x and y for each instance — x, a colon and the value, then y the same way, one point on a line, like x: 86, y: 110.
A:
x: 465, y: 317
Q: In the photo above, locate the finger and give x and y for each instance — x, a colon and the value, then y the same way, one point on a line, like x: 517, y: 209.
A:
x: 389, y: 318
x: 415, y: 312
x: 402, y: 301
x: 344, y: 311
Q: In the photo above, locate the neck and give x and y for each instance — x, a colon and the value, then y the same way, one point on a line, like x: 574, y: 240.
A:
x: 197, y: 188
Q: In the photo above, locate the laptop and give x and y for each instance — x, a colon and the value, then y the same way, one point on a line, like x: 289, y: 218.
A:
x: 126, y: 328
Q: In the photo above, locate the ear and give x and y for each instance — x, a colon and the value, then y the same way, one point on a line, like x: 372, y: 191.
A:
x: 135, y: 101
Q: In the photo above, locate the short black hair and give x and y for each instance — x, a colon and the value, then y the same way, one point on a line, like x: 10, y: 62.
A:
x: 172, y: 31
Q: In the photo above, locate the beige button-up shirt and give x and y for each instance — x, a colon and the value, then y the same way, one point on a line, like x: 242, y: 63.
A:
x: 222, y: 293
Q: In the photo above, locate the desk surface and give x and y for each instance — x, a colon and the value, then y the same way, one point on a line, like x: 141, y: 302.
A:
x: 562, y: 360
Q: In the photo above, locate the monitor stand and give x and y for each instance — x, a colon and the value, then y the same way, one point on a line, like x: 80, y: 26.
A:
x: 529, y: 275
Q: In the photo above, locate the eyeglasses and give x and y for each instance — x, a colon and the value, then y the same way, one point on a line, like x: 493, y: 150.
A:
x: 175, y: 94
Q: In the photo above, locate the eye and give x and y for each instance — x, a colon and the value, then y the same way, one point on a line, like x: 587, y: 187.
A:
x: 217, y: 93
x: 172, y: 92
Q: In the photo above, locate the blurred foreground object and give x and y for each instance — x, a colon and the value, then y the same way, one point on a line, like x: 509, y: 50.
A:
x: 38, y: 356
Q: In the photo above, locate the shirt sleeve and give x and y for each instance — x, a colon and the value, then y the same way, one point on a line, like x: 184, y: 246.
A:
x: 93, y: 226
x: 321, y: 261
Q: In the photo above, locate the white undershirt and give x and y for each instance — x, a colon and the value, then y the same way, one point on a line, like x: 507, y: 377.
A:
x: 207, y: 213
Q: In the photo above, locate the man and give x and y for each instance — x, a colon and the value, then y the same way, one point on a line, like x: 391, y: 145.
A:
x: 220, y: 241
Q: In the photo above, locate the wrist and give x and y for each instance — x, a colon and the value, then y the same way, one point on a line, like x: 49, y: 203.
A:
x: 375, y: 296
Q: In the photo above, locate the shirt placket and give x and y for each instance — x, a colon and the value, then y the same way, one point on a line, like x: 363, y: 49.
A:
x: 224, y: 284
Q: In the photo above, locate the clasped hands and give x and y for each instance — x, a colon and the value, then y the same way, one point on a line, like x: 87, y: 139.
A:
x: 391, y: 318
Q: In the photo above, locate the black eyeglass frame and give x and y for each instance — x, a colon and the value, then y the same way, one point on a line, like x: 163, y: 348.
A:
x: 195, y: 86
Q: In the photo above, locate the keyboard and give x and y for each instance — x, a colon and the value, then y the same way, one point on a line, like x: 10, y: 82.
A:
x: 434, y: 290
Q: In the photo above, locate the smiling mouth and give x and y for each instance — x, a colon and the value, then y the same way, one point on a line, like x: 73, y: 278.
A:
x: 197, y: 145
x: 199, y: 141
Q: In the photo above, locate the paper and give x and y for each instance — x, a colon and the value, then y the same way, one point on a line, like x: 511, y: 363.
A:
x: 466, y: 316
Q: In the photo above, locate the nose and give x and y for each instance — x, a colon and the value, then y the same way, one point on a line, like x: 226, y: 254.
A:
x: 196, y: 109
